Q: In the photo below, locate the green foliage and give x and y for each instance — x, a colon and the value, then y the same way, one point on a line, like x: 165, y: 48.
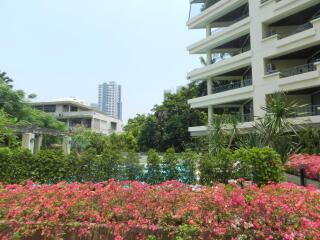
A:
x: 168, y: 126
x: 309, y: 141
x: 8, y: 136
x: 49, y: 166
x: 216, y: 168
x: 87, y: 166
x: 133, y: 169
x: 170, y: 165
x: 150, y: 135
x: 188, y: 167
x: 153, y: 174
x: 111, y: 165
x: 260, y: 165
x: 188, y: 232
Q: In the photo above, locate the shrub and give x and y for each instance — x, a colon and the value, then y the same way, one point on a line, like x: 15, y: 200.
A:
x: 133, y: 169
x: 170, y: 165
x: 5, y: 165
x: 216, y: 168
x: 188, y: 167
x: 134, y: 210
x: 260, y: 165
x: 311, y: 164
x: 110, y: 165
x: 21, y: 161
x: 49, y: 166
x: 153, y: 172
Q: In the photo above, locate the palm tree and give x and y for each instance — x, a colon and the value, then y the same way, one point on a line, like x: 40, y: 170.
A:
x: 5, y: 79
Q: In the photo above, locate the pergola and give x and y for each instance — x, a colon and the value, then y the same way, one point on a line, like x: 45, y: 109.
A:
x: 32, y: 137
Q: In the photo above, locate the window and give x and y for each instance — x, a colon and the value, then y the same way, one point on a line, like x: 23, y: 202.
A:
x: 49, y: 108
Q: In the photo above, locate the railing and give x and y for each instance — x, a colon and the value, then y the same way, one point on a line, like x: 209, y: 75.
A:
x: 234, y: 85
x: 198, y: 6
x: 308, y: 110
x: 263, y: 1
x: 224, y: 56
x: 298, y: 70
x: 243, y: 117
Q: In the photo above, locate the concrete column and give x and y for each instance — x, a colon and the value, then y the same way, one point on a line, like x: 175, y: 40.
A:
x: 209, y: 86
x: 210, y: 115
x: 28, y: 141
x: 66, y: 145
x: 37, y: 143
x: 208, y: 30
x: 209, y: 57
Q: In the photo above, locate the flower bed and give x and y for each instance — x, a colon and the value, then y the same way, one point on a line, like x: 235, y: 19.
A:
x: 133, y: 210
x: 311, y: 164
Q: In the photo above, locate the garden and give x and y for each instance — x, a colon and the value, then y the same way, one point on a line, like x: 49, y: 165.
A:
x: 228, y: 185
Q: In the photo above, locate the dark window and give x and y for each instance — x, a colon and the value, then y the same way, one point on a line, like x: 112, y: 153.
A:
x: 49, y: 108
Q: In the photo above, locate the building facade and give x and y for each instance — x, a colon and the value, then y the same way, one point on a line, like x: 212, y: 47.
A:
x: 75, y: 113
x: 110, y: 99
x: 254, y: 48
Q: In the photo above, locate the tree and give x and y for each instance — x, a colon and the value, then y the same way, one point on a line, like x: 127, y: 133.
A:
x: 5, y: 79
x: 175, y: 116
x: 169, y: 123
x: 150, y: 136
x: 170, y: 165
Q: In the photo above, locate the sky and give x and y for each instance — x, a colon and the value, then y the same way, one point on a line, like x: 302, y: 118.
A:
x: 65, y: 48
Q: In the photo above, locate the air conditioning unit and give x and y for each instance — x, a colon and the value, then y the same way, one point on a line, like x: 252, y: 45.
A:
x: 271, y: 68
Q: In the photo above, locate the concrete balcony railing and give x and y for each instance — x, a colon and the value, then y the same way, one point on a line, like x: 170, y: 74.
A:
x: 207, y: 11
x: 222, y: 66
x: 301, y: 28
x: 221, y: 36
x: 308, y: 110
x: 300, y: 77
x: 297, y: 70
x: 79, y: 114
x: 231, y: 86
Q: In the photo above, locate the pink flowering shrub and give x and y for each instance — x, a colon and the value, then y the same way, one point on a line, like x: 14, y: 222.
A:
x: 311, y: 164
x: 171, y: 210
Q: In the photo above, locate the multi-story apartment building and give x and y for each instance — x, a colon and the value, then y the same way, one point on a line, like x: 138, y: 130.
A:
x: 76, y: 113
x: 110, y: 99
x: 254, y: 48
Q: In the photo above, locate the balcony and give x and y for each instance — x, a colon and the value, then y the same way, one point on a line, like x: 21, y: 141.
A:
x: 221, y: 66
x: 298, y: 70
x: 204, y: 12
x: 245, y: 123
x: 221, y: 36
x: 308, y: 110
x: 231, y: 86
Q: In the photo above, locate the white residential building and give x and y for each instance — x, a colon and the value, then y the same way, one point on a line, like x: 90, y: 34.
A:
x: 75, y: 113
x: 254, y: 48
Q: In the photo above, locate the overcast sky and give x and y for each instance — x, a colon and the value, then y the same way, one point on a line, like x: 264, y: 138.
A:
x: 64, y: 48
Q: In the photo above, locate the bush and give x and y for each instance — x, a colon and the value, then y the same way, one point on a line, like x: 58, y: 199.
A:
x: 216, y: 168
x: 170, y: 165
x: 153, y: 172
x: 49, y: 166
x: 134, y: 210
x: 133, y: 169
x: 188, y: 167
x: 260, y: 165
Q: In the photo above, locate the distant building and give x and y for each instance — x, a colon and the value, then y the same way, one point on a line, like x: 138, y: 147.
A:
x: 110, y: 99
x: 76, y: 113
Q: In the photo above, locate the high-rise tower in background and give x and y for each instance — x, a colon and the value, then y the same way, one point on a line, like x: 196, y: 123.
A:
x: 110, y: 99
